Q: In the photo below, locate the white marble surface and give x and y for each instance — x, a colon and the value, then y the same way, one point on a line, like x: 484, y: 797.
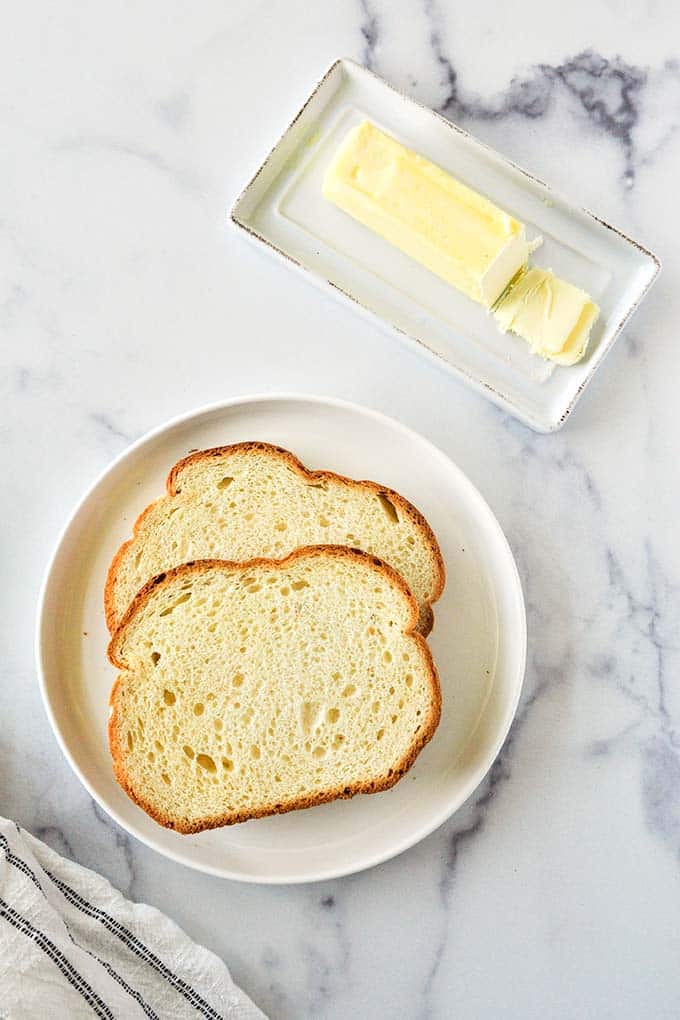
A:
x: 127, y: 129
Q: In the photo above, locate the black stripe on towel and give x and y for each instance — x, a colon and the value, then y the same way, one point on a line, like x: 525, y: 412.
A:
x: 22, y: 866
x: 132, y: 992
x: 19, y: 863
x: 138, y: 948
x: 55, y: 954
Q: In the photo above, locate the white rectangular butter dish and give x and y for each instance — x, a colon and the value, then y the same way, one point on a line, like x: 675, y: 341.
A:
x: 284, y: 208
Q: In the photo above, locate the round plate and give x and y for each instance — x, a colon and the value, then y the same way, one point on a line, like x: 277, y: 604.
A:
x: 478, y: 642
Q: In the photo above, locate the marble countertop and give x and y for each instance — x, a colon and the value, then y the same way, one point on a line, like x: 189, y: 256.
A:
x: 125, y: 299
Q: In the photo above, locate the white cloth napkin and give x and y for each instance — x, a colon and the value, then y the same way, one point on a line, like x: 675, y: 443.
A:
x: 72, y: 946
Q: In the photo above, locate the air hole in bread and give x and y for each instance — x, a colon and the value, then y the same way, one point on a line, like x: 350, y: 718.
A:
x: 151, y: 756
x: 237, y: 681
x: 189, y: 751
x: 168, y: 697
x: 218, y: 723
x: 349, y: 690
x: 281, y: 526
x: 388, y: 507
x: 338, y: 739
x: 155, y: 658
x: 157, y: 744
x: 332, y: 715
x: 199, y: 708
x: 130, y: 741
x: 409, y: 680
x: 309, y: 715
x: 255, y: 752
x: 206, y: 762
x: 375, y: 707
x: 255, y: 588
x: 299, y: 585
x: 285, y: 590
x: 225, y: 482
x: 175, y: 604
x: 380, y: 734
x: 387, y: 656
x: 227, y: 765
x: 166, y: 778
x: 324, y: 522
x: 319, y: 752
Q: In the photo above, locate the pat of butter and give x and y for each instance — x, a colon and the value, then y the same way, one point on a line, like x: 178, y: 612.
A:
x: 554, y: 317
x: 451, y: 230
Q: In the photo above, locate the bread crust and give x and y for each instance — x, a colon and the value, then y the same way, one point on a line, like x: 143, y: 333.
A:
x: 377, y: 785
x: 288, y: 458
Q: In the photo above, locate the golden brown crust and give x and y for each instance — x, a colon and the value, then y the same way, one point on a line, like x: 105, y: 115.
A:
x: 378, y: 785
x: 112, y: 575
x: 407, y: 509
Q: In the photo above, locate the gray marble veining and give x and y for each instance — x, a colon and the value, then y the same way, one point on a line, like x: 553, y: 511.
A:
x: 124, y: 300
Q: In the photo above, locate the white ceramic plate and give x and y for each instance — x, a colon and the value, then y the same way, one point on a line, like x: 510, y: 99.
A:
x: 479, y: 640
x: 283, y: 207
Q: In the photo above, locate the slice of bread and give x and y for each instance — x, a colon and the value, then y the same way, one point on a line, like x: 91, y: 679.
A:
x: 252, y: 499
x: 250, y: 689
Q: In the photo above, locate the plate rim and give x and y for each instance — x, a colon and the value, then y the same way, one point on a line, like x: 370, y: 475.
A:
x: 371, y: 860
x: 542, y: 424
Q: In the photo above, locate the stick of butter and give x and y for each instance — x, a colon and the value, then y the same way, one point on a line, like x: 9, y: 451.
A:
x: 446, y: 226
x: 553, y: 316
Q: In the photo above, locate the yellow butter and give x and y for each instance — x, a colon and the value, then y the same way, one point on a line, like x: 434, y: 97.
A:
x: 451, y: 230
x: 553, y: 316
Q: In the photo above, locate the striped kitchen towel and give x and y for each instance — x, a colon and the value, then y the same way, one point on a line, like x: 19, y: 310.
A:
x: 72, y: 946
